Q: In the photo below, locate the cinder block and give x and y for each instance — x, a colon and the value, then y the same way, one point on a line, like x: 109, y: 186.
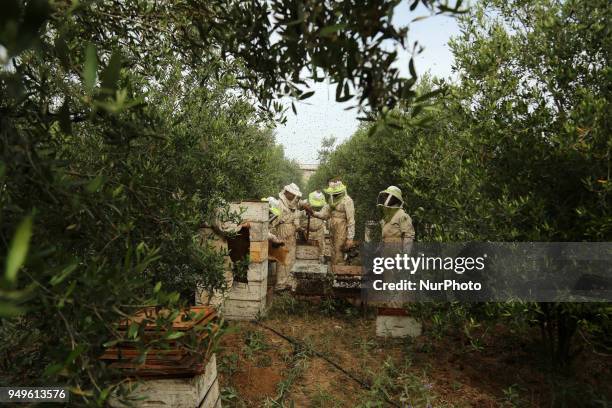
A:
x: 175, y: 392
x: 398, y: 326
x: 251, y: 210
x: 213, y: 398
x: 258, y: 251
x: 258, y: 231
x: 243, y: 309
x: 248, y: 291
x: 257, y: 272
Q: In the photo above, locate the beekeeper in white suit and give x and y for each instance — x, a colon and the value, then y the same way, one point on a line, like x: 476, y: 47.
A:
x: 288, y: 223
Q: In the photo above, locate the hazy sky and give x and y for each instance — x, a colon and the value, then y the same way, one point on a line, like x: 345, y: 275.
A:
x: 320, y: 115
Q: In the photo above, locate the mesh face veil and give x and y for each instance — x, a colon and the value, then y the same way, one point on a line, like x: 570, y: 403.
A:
x: 335, y: 198
x: 335, y: 192
x: 388, y: 200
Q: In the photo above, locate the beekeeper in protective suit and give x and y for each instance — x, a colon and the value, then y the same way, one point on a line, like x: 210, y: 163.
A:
x: 315, y: 227
x: 288, y: 223
x: 274, y: 215
x: 213, y: 235
x: 395, y: 223
x: 397, y: 237
x: 340, y: 212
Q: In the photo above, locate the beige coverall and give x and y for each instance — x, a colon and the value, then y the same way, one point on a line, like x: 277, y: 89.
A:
x: 341, y: 226
x: 317, y: 230
x: 285, y: 230
x: 399, y: 229
x: 398, y: 235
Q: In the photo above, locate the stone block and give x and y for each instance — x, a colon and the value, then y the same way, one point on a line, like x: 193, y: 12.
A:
x: 258, y: 231
x: 255, y: 290
x: 398, y: 326
x: 197, y: 391
x: 243, y: 309
x: 258, y: 251
x: 251, y: 210
x: 257, y: 272
x: 213, y: 397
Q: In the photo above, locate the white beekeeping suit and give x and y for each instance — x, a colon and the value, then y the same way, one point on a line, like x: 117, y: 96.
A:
x: 340, y: 211
x: 396, y: 224
x: 286, y: 228
x: 314, y: 226
x: 397, y: 235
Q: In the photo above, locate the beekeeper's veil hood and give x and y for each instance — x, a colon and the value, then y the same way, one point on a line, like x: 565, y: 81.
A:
x: 293, y: 189
x: 391, y: 197
x: 335, y: 192
x: 316, y: 199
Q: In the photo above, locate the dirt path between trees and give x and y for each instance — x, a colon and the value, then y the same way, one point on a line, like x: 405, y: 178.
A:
x: 259, y: 368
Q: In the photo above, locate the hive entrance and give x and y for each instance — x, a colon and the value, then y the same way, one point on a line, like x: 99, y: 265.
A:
x: 239, y: 247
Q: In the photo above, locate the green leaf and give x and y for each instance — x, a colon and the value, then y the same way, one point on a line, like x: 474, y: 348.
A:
x: 90, y: 68
x: 64, y: 117
x: 306, y: 95
x: 78, y: 350
x: 110, y: 343
x: 18, y: 249
x: 329, y: 30
x: 133, y: 331
x: 63, y: 275
x: 10, y: 310
x: 411, y: 68
x: 53, y: 369
x: 95, y: 184
x: 63, y: 52
x: 174, y: 335
x: 157, y: 287
x: 430, y: 94
x: 110, y: 74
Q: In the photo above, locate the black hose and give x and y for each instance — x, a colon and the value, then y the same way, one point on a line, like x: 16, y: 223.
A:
x: 296, y: 342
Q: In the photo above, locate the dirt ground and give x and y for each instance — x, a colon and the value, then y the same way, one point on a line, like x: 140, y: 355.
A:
x: 258, y: 368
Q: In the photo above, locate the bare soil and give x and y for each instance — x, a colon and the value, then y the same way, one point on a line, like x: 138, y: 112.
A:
x: 447, y: 371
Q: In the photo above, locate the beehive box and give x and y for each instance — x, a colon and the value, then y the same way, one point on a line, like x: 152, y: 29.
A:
x: 200, y: 390
x: 311, y: 278
x: 247, y: 300
x: 174, y: 375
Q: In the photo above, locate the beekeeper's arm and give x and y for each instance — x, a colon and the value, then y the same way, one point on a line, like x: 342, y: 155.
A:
x: 407, y: 231
x: 323, y: 214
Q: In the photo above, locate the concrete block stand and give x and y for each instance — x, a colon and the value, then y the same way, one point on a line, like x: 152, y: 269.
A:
x: 394, y: 322
x: 199, y: 391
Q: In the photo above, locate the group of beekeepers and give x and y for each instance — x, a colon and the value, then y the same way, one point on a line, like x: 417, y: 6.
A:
x: 290, y: 214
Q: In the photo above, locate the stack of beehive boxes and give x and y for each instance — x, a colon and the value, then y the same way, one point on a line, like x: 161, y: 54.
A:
x: 311, y: 276
x: 247, y: 300
x: 176, y: 375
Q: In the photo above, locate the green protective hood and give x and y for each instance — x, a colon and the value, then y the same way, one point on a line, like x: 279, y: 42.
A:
x: 334, y: 199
